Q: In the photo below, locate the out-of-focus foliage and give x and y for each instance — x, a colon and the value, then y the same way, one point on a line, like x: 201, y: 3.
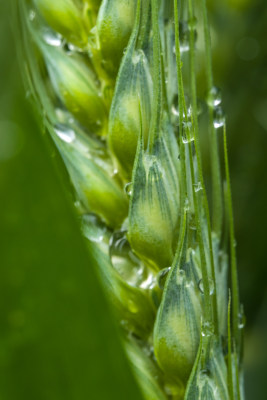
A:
x: 240, y: 69
x: 57, y: 337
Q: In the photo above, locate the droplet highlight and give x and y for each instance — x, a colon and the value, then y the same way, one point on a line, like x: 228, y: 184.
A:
x: 128, y: 189
x: 127, y: 264
x: 201, y: 286
x: 214, y: 97
x: 65, y: 133
x: 52, y: 38
x: 218, y: 117
x: 162, y: 276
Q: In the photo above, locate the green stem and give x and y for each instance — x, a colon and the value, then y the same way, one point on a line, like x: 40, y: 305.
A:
x: 144, y: 23
x: 217, y: 198
x: 157, y: 96
x: 182, y: 107
x: 180, y: 104
x: 230, y: 369
x: 198, y: 156
x: 234, y: 279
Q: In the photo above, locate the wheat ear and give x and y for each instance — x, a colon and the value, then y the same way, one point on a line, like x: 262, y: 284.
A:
x: 118, y: 85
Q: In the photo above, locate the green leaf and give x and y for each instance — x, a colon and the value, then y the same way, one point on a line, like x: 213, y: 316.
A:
x: 57, y: 338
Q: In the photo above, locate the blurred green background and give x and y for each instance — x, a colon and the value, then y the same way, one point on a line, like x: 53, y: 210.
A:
x: 57, y: 338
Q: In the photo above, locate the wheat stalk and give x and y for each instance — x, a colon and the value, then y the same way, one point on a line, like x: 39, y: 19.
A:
x: 118, y: 87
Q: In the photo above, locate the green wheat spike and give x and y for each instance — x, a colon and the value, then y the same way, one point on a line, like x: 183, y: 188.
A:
x: 116, y: 82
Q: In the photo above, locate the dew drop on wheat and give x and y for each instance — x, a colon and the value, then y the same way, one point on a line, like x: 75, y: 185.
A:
x: 136, y: 58
x: 198, y: 187
x: 207, y: 329
x: 128, y: 189
x: 181, y: 276
x: 126, y: 263
x: 52, y: 38
x: 241, y: 319
x: 65, y: 133
x: 218, y: 117
x: 192, y: 23
x: 201, y: 286
x: 214, y: 97
x: 188, y: 138
x: 175, y: 111
x: 115, y: 173
x: 93, y: 228
x: 162, y: 276
x: 186, y: 204
x: 184, y: 36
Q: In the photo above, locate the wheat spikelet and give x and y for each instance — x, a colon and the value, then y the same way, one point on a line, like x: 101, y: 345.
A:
x: 117, y: 82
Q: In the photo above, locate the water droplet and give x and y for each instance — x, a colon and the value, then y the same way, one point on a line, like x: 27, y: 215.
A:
x: 52, y: 38
x: 186, y: 205
x: 218, y: 117
x: 207, y: 329
x: 65, y: 133
x: 188, y: 138
x: 201, y: 286
x: 204, y: 373
x: 128, y: 189
x: 93, y: 228
x: 126, y: 263
x: 137, y: 57
x: 188, y: 124
x: 241, y: 319
x: 197, y: 187
x: 214, y: 97
x: 149, y: 282
x: 189, y: 114
x: 192, y: 23
x: 175, y: 111
x: 184, y: 36
x: 73, y: 49
x: 162, y: 276
x: 32, y: 15
x: 181, y: 276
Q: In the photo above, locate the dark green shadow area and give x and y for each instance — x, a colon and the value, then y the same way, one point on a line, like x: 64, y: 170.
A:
x: 57, y: 336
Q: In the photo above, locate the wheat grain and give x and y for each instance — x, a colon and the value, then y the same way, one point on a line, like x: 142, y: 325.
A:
x: 116, y: 82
